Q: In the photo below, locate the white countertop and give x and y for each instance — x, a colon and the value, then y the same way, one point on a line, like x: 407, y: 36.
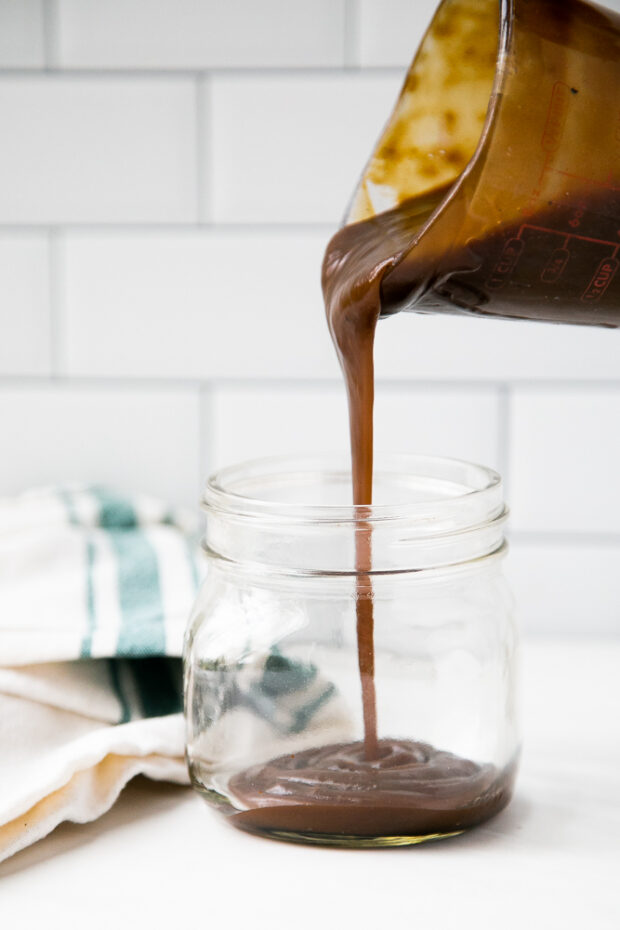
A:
x: 160, y: 858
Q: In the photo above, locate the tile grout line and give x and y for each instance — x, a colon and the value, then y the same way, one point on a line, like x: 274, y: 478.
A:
x: 226, y: 228
x: 207, y: 433
x: 50, y: 34
x: 504, y: 427
x: 163, y: 74
x: 113, y: 382
x: 56, y: 301
x: 203, y: 149
x: 351, y: 50
x: 583, y: 538
x: 306, y: 383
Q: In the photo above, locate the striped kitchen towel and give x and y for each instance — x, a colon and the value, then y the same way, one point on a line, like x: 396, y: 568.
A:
x: 95, y: 592
x: 85, y: 573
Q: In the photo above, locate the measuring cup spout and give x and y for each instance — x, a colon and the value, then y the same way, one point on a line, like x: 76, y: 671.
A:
x: 497, y: 178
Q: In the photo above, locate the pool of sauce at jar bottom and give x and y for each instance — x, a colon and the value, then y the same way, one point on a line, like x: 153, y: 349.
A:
x: 411, y: 789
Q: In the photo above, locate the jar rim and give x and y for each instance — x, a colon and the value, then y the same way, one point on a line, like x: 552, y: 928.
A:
x: 236, y: 490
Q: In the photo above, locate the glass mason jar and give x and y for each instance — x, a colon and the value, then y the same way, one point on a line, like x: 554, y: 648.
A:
x: 279, y: 717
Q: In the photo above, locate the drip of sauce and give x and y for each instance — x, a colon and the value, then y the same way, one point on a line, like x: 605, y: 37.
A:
x: 374, y: 787
x: 355, y: 263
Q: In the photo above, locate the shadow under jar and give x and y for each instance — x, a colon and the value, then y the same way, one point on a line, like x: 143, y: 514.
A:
x: 277, y: 710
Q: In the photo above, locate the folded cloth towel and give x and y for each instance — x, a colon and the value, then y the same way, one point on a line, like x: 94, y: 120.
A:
x: 95, y: 591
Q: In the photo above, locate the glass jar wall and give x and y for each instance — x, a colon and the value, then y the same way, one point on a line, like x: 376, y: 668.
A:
x: 275, y: 723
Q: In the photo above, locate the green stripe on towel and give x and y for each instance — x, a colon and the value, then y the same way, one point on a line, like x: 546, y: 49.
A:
x: 304, y: 716
x: 87, y: 641
x: 159, y: 681
x: 142, y: 630
x: 114, y: 666
x: 115, y: 513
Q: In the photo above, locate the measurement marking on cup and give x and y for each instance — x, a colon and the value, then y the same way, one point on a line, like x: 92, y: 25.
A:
x: 604, y: 275
x: 558, y: 261
x: 567, y: 236
x: 555, y: 266
x: 556, y: 117
x: 579, y: 177
x: 507, y: 262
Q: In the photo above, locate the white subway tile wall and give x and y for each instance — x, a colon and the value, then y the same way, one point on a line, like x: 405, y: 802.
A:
x: 185, y: 34
x: 500, y: 351
x: 289, y: 151
x: 93, y: 150
x: 198, y: 304
x: 389, y: 30
x: 565, y: 460
x: 138, y: 439
x: 22, y: 39
x: 250, y: 421
x: 566, y: 586
x: 25, y: 325
x: 170, y: 172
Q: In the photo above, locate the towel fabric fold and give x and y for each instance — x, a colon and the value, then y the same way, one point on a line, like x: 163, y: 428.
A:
x: 95, y: 591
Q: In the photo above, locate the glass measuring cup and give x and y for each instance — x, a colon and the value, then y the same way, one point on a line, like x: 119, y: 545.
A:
x: 496, y: 181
